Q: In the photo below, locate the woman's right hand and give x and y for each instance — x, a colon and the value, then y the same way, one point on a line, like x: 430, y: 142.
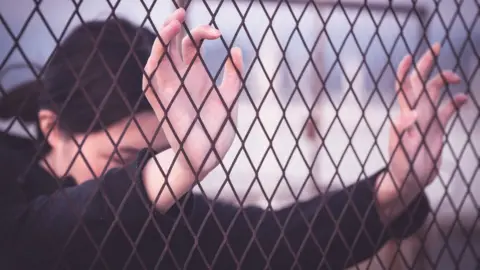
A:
x: 199, y: 116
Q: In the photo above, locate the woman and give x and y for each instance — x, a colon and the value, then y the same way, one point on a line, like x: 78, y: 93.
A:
x: 142, y: 216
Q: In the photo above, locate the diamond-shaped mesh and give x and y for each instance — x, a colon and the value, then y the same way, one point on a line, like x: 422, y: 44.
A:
x: 317, y: 111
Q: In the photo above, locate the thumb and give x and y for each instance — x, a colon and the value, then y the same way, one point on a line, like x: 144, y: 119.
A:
x: 232, y: 76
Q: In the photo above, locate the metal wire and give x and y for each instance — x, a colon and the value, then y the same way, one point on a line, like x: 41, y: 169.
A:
x: 427, y: 255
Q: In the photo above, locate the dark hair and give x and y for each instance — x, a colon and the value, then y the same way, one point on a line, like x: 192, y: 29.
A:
x: 21, y: 102
x: 99, y: 66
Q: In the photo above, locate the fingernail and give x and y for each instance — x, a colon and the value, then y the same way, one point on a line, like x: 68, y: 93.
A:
x: 452, y: 76
x: 463, y: 99
x: 238, y: 50
x: 215, y: 31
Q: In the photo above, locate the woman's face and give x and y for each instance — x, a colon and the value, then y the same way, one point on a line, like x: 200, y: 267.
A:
x: 103, y: 150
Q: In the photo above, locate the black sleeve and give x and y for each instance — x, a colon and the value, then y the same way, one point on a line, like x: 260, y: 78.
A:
x: 12, y: 205
x: 333, y: 231
x: 95, y: 224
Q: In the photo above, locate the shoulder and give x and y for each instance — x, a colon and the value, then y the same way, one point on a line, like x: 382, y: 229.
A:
x: 15, y: 154
x: 19, y: 168
x: 15, y: 144
x: 12, y: 165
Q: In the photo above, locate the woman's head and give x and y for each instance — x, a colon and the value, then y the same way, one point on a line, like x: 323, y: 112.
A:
x: 92, y: 87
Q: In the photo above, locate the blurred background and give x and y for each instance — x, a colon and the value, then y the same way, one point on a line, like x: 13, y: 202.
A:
x: 333, y: 62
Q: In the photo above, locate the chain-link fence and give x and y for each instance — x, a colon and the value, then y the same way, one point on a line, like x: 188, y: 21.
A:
x: 305, y: 135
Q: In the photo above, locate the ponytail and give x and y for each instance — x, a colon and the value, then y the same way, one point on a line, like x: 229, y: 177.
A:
x: 21, y: 101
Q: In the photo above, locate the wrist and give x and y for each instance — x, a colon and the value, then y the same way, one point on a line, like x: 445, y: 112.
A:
x: 393, y: 195
x: 166, y: 180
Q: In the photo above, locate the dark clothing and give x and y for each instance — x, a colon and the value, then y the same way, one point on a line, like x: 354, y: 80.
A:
x: 46, y: 225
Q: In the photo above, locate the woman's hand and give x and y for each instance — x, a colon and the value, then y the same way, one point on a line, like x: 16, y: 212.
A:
x: 416, y: 136
x: 200, y: 115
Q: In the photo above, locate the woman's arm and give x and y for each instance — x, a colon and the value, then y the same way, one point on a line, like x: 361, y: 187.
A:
x: 337, y: 230
x: 77, y: 219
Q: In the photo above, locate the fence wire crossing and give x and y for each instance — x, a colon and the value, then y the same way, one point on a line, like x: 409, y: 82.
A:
x: 239, y: 135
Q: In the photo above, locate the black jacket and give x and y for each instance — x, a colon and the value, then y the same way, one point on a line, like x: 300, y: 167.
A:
x: 110, y: 224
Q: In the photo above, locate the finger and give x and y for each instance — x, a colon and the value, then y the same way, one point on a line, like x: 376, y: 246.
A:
x: 198, y: 34
x: 156, y: 55
x: 402, y: 85
x: 178, y: 15
x: 232, y: 79
x: 447, y: 110
x: 440, y: 81
x: 424, y: 66
x: 159, y: 46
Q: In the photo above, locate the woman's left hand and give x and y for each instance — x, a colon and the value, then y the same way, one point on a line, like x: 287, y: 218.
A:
x: 416, y: 136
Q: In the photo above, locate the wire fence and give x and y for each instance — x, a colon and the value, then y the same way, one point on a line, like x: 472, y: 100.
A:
x: 239, y: 134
